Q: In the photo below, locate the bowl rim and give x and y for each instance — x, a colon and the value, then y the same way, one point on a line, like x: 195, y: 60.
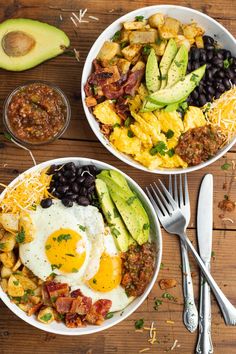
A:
x: 92, y: 121
x: 108, y: 323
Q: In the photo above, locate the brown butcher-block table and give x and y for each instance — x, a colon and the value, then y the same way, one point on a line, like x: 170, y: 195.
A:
x: 17, y: 336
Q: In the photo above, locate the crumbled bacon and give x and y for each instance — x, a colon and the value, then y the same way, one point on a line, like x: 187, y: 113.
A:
x: 133, y: 82
x: 106, y: 129
x: 45, y: 295
x: 57, y: 289
x: 76, y: 293
x: 122, y: 108
x: 98, y: 311
x: 73, y: 320
x: 63, y: 304
x: 81, y: 305
x: 34, y: 309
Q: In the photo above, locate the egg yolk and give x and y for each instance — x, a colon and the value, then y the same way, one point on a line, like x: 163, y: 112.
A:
x: 65, y: 250
x: 108, y: 275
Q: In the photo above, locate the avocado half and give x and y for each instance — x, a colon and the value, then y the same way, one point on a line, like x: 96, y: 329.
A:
x: 26, y: 43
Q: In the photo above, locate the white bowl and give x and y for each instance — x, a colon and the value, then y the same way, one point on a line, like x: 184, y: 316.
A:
x: 60, y: 328
x: 185, y: 15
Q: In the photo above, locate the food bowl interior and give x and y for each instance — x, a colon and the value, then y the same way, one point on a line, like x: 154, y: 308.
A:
x: 60, y: 328
x: 185, y: 15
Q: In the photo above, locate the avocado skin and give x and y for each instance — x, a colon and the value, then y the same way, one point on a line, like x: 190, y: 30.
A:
x: 49, y: 42
x: 166, y: 60
x: 180, y: 90
x: 178, y: 67
x: 129, y: 206
x: 153, y: 79
x: 117, y: 227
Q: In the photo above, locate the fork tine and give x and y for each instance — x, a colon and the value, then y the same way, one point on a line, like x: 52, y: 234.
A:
x: 181, y: 199
x: 158, y: 210
x: 186, y: 194
x: 168, y: 206
x: 170, y: 185
x: 176, y: 197
x: 168, y: 196
x: 160, y: 204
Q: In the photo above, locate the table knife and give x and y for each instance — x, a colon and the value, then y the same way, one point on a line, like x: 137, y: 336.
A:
x: 204, y: 236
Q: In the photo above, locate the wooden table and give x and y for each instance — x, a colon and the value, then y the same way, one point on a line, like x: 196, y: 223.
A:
x: 19, y: 337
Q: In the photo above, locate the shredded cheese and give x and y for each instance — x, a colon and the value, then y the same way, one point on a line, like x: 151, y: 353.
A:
x: 144, y: 350
x: 170, y: 322
x: 27, y: 192
x: 222, y: 113
x: 174, y: 345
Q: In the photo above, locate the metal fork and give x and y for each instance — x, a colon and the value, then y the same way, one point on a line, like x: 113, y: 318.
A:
x: 173, y: 220
x: 190, y: 316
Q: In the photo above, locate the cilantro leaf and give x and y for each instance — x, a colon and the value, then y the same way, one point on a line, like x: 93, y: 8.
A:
x: 130, y: 134
x: 46, y: 317
x: 171, y: 152
x: 20, y: 237
x: 169, y: 134
x: 139, y: 323
x: 139, y: 18
x: 226, y: 166
x: 63, y: 237
x: 81, y: 227
x: 56, y: 266
x: 160, y: 148
x: 116, y: 36
x: 146, y: 49
x: 109, y: 315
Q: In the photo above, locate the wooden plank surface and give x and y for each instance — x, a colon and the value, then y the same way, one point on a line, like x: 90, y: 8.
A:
x: 17, y: 336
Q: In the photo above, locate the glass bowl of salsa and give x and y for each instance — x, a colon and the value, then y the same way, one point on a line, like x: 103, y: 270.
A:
x: 36, y: 113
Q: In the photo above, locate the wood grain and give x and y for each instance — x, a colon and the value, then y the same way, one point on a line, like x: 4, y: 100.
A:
x: 17, y: 336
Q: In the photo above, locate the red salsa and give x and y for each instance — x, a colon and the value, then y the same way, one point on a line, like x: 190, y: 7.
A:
x: 36, y: 113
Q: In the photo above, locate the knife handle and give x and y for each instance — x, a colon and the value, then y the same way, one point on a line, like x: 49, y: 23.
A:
x: 190, y: 310
x: 204, y: 344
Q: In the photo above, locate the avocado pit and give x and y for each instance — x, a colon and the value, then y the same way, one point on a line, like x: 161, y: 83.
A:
x: 17, y: 43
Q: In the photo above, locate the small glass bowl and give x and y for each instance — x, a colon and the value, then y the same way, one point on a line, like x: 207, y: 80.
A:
x: 55, y: 137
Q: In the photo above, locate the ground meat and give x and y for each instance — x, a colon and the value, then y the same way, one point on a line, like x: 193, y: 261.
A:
x: 199, y: 144
x: 138, y: 268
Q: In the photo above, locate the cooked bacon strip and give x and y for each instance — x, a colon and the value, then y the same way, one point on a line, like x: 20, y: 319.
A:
x: 57, y: 289
x: 81, y: 305
x: 76, y: 293
x: 45, y: 295
x: 133, y: 82
x: 122, y: 108
x: 34, y: 309
x: 63, y: 304
x: 98, y: 311
x: 73, y: 320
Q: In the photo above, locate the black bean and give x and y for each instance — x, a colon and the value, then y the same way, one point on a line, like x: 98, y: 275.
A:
x: 209, y: 97
x: 210, y: 90
x: 208, y: 40
x: 218, y: 94
x: 234, y: 80
x: 227, y: 54
x: 226, y: 83
x: 83, y: 191
x: 210, y: 55
x: 219, y: 55
x: 51, y: 170
x: 195, y: 55
x: 200, y: 89
x: 46, y: 203
x: 83, y: 201
x: 57, y: 195
x: 195, y: 65
x: 202, y: 100
x: 208, y: 65
x: 214, y: 70
x: 90, y: 197
x: 218, y: 80
x: 57, y: 175
x: 88, y: 181
x: 202, y: 54
x: 93, y: 170
x: 70, y: 166
x: 195, y: 94
x: 189, y: 68
x: 91, y: 188
x: 63, y: 189
x: 218, y: 62
x: 220, y: 87
x: 229, y: 73
x: 209, y: 47
x: 209, y: 75
x: 221, y: 74
x: 67, y: 202
x: 62, y: 180
x: 86, y: 168
x: 69, y: 174
x: 79, y: 170
x: 80, y: 179
x: 72, y: 196
x: 75, y: 187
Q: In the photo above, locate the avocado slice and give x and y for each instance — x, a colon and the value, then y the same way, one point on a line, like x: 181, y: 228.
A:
x: 149, y: 106
x: 181, y: 89
x: 174, y: 106
x: 117, y: 227
x: 178, y: 67
x: 153, y: 79
x: 166, y: 60
x: 128, y: 204
x: 26, y: 43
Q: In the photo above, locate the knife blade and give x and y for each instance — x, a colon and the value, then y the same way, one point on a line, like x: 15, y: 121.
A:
x: 204, y: 235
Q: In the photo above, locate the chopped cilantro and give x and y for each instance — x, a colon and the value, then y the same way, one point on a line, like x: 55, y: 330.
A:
x: 46, y: 317
x: 63, y: 237
x: 168, y: 296
x: 169, y: 134
x: 16, y: 282
x: 56, y: 266
x: 53, y: 298
x: 20, y: 237
x: 54, y: 238
x: 158, y: 303
x: 2, y: 245
x: 130, y: 134
x: 29, y: 292
x: 171, y: 152
x: 130, y: 200
x: 146, y: 49
x: 160, y: 148
x: 226, y: 197
x: 95, y: 89
x: 124, y: 44
x: 116, y: 125
x: 183, y: 107
x: 226, y: 166
x: 94, y: 281
x: 139, y: 323
x: 70, y: 255
x: 52, y: 274
x: 47, y: 247
x: 146, y: 226
x: 74, y: 270
x: 127, y: 122
x: 116, y: 36
x: 109, y: 315
x: 227, y: 63
x: 158, y: 41
x: 162, y: 266
x: 139, y: 18
x: 61, y: 317
x: 213, y: 254
x: 81, y: 227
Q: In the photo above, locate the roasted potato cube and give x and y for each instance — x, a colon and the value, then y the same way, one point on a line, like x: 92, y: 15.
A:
x: 14, y: 288
x: 108, y: 51
x: 134, y: 25
x: 27, y: 273
x: 2, y: 232
x: 7, y: 242
x: 159, y: 47
x: 8, y: 259
x: 35, y: 299
x: 140, y: 65
x: 105, y: 113
x: 9, y: 221
x: 131, y: 51
x: 6, y: 272
x: 3, y: 284
x: 199, y: 42
x: 17, y: 265
x: 90, y: 101
x: 25, y: 282
x: 143, y: 36
x: 38, y: 291
x: 181, y: 40
x: 170, y: 28
x: 192, y: 30
x: 123, y: 65
x: 156, y: 20
x: 120, y: 139
x: 46, y: 315
x: 26, y: 228
x: 25, y: 307
x: 124, y: 35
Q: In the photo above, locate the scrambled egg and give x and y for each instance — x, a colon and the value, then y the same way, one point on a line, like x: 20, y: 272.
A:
x: 194, y: 118
x: 105, y: 113
x: 120, y: 139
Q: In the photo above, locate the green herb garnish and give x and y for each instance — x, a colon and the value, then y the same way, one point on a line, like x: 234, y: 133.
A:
x: 116, y: 36
x: 116, y: 125
x: 46, y: 317
x: 109, y: 315
x: 130, y: 134
x: 158, y: 41
x: 94, y: 281
x: 139, y: 323
x: 146, y: 49
x: 160, y: 148
x: 169, y: 134
x: 70, y: 255
x: 74, y: 270
x: 56, y: 266
x: 139, y: 18
x: 2, y: 245
x: 194, y: 78
x: 127, y: 122
x: 63, y: 237
x: 53, y: 298
x: 162, y: 266
x: 16, y: 282
x: 168, y: 296
x: 124, y: 44
x: 20, y: 237
x: 47, y: 247
x: 226, y: 166
x: 146, y: 226
x: 171, y: 152
x: 158, y: 303
x: 81, y: 227
x: 227, y: 63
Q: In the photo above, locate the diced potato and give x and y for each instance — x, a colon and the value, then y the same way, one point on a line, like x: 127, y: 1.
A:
x: 25, y: 307
x: 38, y: 291
x: 2, y: 232
x: 123, y: 65
x: 8, y: 259
x: 105, y: 113
x: 120, y: 139
x: 181, y: 40
x: 26, y: 227
x: 142, y: 91
x: 131, y: 51
x: 14, y: 288
x: 124, y: 35
x: 156, y: 20
x: 7, y: 242
x: 160, y: 47
x: 193, y: 118
x: 191, y: 30
x: 27, y: 273
x: 143, y: 36
x: 34, y: 299
x: 140, y: 65
x: 108, y: 51
x: 199, y: 42
x: 90, y: 101
x: 134, y: 25
x: 25, y: 282
x: 46, y: 315
x: 170, y: 28
x: 4, y: 284
x: 115, y: 75
x: 6, y: 272
x: 17, y: 265
x: 9, y: 221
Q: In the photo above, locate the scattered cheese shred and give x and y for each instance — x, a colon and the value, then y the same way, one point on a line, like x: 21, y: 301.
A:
x: 144, y: 350
x: 174, y: 345
x: 170, y: 322
x: 94, y: 18
x: 26, y: 193
x: 222, y: 113
x: 228, y: 219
